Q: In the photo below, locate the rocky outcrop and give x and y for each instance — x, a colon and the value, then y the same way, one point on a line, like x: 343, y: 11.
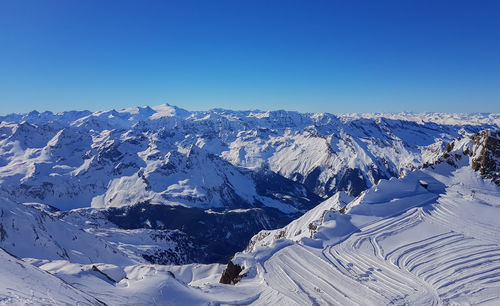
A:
x: 481, y: 150
x: 107, y: 277
x: 232, y: 274
x: 486, y: 155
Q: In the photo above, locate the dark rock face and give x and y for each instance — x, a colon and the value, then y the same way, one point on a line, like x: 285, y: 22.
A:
x: 352, y: 181
x: 486, y: 156
x: 106, y: 277
x: 3, y: 233
x: 311, y: 180
x: 232, y: 274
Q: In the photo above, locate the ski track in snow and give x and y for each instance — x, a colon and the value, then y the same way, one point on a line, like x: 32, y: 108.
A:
x: 437, y: 269
x: 427, y: 255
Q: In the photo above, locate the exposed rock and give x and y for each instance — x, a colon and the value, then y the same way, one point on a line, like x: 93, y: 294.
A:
x: 486, y: 156
x: 96, y: 269
x: 3, y: 233
x: 482, y: 150
x: 423, y: 184
x: 232, y: 274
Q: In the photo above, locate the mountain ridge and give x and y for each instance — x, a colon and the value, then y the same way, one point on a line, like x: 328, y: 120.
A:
x: 268, y: 167
x: 322, y: 209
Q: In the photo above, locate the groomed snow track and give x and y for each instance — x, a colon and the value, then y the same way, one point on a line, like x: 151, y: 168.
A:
x: 442, y: 253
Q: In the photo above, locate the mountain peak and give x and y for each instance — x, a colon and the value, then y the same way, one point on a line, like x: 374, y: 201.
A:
x: 167, y: 110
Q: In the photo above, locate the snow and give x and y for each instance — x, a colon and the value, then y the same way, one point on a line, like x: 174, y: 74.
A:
x: 22, y: 284
x: 166, y: 110
x: 116, y: 158
x: 135, y: 285
x: 439, y: 118
x: 437, y: 246
x: 397, y: 243
x: 28, y: 231
x: 408, y: 235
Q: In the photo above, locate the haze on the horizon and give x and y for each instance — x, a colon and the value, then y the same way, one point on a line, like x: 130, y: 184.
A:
x: 321, y: 56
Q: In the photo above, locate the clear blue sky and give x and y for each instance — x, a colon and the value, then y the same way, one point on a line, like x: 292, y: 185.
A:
x: 332, y: 56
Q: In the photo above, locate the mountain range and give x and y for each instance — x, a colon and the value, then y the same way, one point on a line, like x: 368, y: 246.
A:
x: 148, y: 204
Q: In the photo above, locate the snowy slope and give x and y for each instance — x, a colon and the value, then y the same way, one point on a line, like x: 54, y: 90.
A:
x: 404, y: 245
x: 129, y: 285
x: 428, y: 238
x: 24, y: 284
x: 28, y: 231
x: 83, y: 236
x: 439, y: 246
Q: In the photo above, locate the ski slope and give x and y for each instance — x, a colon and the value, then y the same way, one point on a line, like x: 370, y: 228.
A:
x: 443, y: 249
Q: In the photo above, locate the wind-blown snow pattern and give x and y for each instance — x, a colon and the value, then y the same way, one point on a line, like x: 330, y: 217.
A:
x: 122, y: 206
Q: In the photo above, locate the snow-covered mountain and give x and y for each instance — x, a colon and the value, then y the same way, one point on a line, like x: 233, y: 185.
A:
x: 427, y: 237
x: 118, y: 158
x: 242, y: 170
x: 430, y: 237
x: 478, y: 152
x: 121, y: 207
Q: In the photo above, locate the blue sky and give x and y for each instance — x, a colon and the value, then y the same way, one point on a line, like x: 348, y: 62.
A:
x: 328, y: 56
